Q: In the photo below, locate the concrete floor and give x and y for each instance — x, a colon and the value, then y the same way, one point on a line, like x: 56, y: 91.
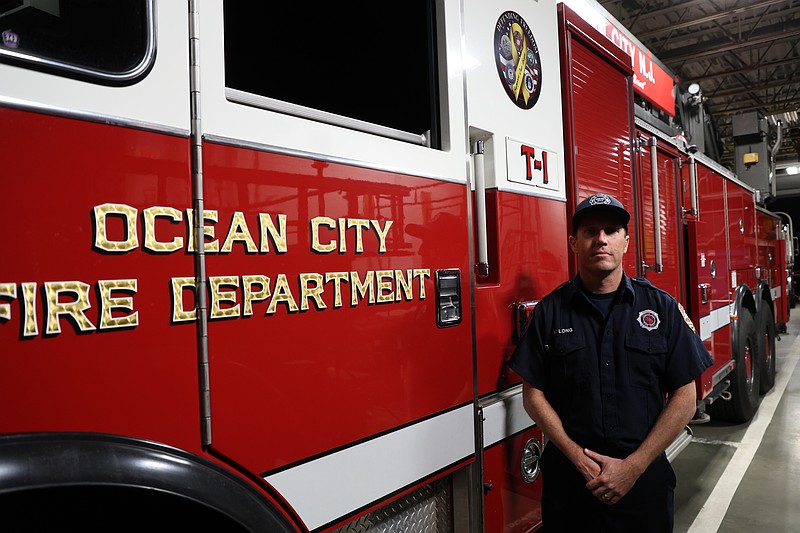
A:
x: 746, y: 477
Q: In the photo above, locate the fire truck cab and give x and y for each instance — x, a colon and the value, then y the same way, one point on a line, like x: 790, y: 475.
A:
x: 266, y: 263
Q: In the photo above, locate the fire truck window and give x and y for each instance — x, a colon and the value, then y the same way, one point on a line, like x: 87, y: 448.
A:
x: 102, y: 41
x: 354, y: 59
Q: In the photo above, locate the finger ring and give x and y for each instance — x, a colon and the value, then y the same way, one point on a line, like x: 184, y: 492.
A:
x: 606, y: 496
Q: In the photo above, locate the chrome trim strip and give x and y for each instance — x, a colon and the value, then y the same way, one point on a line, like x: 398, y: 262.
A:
x: 719, y: 318
x: 500, y: 396
x: 263, y: 147
x: 147, y: 60
x: 111, y: 120
x: 332, y: 486
x: 504, y: 415
x: 287, y: 108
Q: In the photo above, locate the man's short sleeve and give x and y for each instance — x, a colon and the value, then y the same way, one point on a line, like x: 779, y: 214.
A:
x: 528, y: 359
x: 688, y: 356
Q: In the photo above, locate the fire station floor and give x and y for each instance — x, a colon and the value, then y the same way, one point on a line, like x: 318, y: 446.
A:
x: 746, y: 477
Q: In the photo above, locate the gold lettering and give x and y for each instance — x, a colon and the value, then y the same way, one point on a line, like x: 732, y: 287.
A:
x: 273, y: 232
x: 342, y: 235
x: 316, y: 222
x: 422, y: 273
x: 101, y: 240
x: 268, y: 227
x: 239, y: 232
x: 282, y: 295
x: 337, y: 278
x: 31, y: 326
x: 219, y: 296
x: 7, y: 290
x: 385, y: 292
x: 251, y: 296
x: 311, y: 292
x: 382, y: 232
x: 109, y: 303
x: 403, y: 284
x: 208, y: 231
x: 150, y: 241
x: 75, y: 309
x: 360, y: 224
x: 359, y: 288
x: 179, y: 314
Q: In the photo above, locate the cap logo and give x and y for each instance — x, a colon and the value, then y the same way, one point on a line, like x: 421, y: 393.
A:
x: 600, y: 199
x: 648, y: 320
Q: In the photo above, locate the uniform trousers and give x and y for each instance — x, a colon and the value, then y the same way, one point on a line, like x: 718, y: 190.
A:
x: 567, y: 505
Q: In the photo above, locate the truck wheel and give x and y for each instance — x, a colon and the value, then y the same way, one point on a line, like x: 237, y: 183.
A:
x: 766, y: 347
x: 745, y: 377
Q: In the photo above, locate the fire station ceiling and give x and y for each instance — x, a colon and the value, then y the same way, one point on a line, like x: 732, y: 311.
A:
x: 744, y: 54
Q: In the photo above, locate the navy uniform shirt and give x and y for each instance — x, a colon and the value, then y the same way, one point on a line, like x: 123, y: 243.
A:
x: 607, y: 377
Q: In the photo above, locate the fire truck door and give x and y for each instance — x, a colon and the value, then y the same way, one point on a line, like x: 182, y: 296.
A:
x: 95, y: 149
x: 658, y: 220
x: 520, y: 237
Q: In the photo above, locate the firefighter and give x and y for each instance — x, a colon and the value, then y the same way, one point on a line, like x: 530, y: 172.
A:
x: 609, y: 364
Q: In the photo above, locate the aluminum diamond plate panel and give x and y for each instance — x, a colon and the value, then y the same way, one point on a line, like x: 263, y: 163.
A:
x: 427, y: 510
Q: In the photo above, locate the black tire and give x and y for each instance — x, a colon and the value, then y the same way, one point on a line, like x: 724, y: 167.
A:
x: 766, y: 333
x: 745, y: 376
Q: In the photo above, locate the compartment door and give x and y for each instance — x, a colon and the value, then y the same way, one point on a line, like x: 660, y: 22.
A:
x: 598, y: 109
x: 659, y: 221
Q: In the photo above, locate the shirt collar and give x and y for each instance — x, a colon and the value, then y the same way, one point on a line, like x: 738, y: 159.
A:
x: 625, y: 293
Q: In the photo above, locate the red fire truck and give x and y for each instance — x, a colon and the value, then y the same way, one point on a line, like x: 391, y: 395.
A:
x: 264, y: 264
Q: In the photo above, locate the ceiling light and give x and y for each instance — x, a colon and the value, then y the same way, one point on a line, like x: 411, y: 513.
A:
x: 788, y: 118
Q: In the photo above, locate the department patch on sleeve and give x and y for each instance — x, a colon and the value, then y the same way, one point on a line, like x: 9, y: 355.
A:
x: 686, y: 317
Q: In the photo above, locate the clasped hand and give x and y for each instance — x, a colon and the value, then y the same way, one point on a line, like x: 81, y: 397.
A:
x: 608, y: 478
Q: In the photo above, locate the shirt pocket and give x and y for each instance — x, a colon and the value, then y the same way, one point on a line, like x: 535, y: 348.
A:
x: 568, y: 359
x: 646, y: 355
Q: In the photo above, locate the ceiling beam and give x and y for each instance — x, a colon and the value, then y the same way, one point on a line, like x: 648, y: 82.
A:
x: 642, y: 35
x: 695, y: 52
x: 680, y: 6
x: 755, y: 88
x: 743, y: 70
x: 779, y: 107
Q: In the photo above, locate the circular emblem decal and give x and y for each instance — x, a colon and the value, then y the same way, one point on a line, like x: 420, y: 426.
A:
x: 649, y: 319
x: 517, y: 58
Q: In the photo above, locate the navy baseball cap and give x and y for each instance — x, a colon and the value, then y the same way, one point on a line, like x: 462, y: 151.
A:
x: 598, y: 202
